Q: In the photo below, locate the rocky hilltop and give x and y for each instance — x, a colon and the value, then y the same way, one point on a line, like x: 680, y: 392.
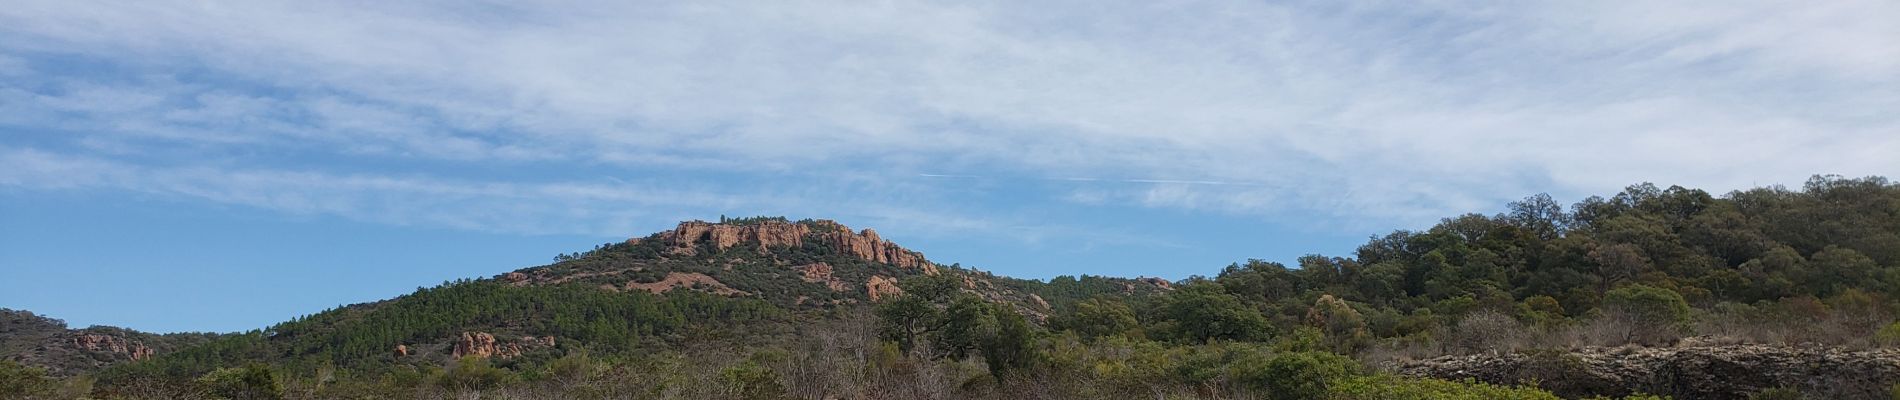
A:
x: 1688, y: 372
x: 46, y: 342
x: 794, y: 263
x: 866, y: 245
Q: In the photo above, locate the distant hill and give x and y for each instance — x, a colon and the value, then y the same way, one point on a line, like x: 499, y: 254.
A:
x: 1547, y: 299
x: 37, y: 340
x: 701, y: 281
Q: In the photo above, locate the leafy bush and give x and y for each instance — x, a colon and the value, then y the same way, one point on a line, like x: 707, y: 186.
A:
x: 1288, y: 376
x: 251, y: 382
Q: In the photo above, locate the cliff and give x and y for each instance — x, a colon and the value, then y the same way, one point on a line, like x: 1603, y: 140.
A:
x: 690, y: 237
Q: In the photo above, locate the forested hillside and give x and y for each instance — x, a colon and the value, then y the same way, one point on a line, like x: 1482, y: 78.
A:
x: 772, y: 308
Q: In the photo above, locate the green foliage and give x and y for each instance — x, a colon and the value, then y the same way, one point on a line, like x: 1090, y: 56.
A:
x: 23, y: 382
x: 250, y: 382
x: 1776, y: 394
x: 1650, y: 314
x: 750, y: 381
x: 359, y: 338
x: 1098, y: 317
x: 1889, y: 335
x: 1202, y: 312
x: 1291, y: 376
x: 474, y: 373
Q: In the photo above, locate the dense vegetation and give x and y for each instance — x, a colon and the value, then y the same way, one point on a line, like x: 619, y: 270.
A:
x: 1648, y: 266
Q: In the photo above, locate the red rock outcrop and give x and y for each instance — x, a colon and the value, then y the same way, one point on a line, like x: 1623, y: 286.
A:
x: 112, y: 344
x: 1158, y: 282
x: 686, y: 238
x: 515, y: 278
x: 881, y: 286
x: 402, y: 351
x: 867, y: 245
x: 482, y: 344
x: 820, y: 273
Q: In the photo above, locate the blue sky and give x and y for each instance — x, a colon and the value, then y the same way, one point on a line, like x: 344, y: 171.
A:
x: 216, y: 166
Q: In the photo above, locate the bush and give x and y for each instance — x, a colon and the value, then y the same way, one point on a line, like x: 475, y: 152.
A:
x: 1647, y: 314
x: 473, y: 373
x: 1288, y: 376
x: 252, y: 382
x: 1776, y: 394
x: 1890, y: 335
x: 23, y: 382
x: 751, y: 381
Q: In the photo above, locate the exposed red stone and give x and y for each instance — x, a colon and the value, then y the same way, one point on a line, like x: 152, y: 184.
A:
x: 482, y: 344
x: 113, y: 344
x: 879, y: 287
x: 867, y: 245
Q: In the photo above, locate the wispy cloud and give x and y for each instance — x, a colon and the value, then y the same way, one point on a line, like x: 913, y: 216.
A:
x: 1380, y: 113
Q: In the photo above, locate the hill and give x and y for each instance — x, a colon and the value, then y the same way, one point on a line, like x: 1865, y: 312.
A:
x: 37, y: 340
x: 773, y: 308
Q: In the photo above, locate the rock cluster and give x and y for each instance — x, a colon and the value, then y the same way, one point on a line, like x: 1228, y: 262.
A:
x: 821, y: 273
x: 687, y: 238
x: 1696, y: 372
x: 112, y: 344
x: 482, y: 344
x: 879, y: 287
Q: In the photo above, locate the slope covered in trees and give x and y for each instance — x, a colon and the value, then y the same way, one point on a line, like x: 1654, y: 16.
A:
x: 773, y: 308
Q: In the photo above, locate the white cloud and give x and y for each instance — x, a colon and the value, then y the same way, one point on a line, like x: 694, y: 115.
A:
x: 1379, y: 112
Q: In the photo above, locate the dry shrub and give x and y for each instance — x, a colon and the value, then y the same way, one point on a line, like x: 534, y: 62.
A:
x: 1488, y: 331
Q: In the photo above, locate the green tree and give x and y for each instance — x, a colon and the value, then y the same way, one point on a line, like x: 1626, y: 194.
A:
x: 251, y: 382
x: 1201, y: 312
x: 1646, y: 314
x: 1098, y: 317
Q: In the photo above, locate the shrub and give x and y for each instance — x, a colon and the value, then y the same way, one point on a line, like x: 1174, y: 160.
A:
x: 23, y: 382
x: 1647, y: 314
x: 1776, y: 394
x: 1287, y: 376
x: 1889, y: 335
x: 473, y: 373
x: 751, y: 381
x: 252, y: 382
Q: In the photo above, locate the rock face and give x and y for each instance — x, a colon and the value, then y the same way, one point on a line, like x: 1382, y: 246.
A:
x: 482, y: 344
x: 881, y: 286
x: 1699, y: 372
x: 112, y: 344
x: 821, y: 273
x: 688, y: 238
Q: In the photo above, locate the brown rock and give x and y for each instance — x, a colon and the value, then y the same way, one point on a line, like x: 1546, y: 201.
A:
x: 880, y: 287
x: 821, y: 273
x: 867, y: 245
x: 402, y: 351
x: 113, y: 344
x: 515, y: 278
x: 1040, y: 303
x: 482, y: 344
x: 1158, y: 282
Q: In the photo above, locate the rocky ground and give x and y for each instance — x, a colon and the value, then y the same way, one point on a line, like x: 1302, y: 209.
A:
x: 1684, y: 372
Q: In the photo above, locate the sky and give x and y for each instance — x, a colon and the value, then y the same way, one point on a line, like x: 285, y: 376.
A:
x: 218, y: 166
